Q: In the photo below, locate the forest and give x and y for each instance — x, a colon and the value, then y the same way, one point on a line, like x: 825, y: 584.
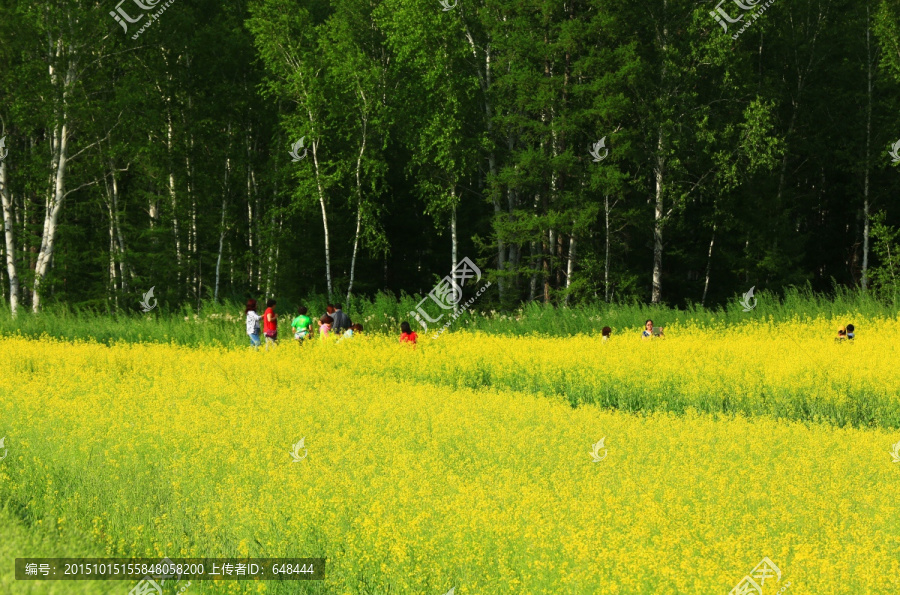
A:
x: 579, y: 151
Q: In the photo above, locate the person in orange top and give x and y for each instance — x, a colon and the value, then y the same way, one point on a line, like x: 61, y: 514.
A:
x: 406, y: 334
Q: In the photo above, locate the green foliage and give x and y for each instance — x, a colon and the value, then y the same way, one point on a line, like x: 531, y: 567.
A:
x: 223, y: 323
x: 886, y: 276
x: 419, y: 121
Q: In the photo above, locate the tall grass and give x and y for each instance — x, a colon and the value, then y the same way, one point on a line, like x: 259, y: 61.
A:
x: 223, y: 323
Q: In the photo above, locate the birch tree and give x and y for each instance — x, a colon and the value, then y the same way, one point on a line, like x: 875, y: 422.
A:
x: 287, y: 38
x: 72, y: 43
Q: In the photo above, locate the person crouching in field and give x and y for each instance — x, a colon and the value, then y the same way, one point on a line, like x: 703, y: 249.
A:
x: 606, y: 332
x: 301, y: 325
x: 842, y: 334
x: 325, y: 326
x: 353, y: 330
x: 407, y: 335
x: 270, y: 324
x: 850, y: 332
x: 252, y: 323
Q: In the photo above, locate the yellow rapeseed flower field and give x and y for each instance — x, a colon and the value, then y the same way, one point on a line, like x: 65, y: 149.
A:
x: 462, y: 463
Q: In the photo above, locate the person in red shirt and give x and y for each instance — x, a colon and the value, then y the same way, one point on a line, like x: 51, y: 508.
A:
x: 270, y: 323
x: 406, y: 334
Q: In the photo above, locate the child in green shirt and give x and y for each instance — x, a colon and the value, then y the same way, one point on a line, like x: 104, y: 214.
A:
x: 301, y: 325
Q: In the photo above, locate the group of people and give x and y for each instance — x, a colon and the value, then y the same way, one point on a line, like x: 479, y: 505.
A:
x: 334, y: 323
x: 649, y: 331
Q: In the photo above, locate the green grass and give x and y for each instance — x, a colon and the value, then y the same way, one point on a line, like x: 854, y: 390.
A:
x: 21, y: 539
x: 222, y: 323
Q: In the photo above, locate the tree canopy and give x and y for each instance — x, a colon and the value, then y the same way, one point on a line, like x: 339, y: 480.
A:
x: 668, y: 151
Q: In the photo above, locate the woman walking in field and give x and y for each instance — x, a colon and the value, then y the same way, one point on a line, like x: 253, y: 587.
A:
x: 252, y: 323
x: 270, y: 324
x: 407, y: 335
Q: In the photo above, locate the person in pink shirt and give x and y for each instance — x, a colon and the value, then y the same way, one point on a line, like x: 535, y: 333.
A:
x: 325, y: 326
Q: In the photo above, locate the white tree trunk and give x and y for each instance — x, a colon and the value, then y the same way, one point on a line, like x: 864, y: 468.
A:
x: 153, y: 202
x: 249, y: 216
x: 54, y: 203
x: 359, y: 200
x: 123, y: 267
x: 59, y: 151
x: 170, y: 143
x: 256, y: 233
x: 113, y: 281
x: 548, y: 252
x: 606, y: 256
x: 712, y: 241
x: 453, y: 238
x: 8, y: 229
x: 315, y: 147
x: 192, y: 232
x: 658, y: 172
x: 533, y: 281
x: 570, y: 266
x: 222, y: 229
x: 485, y: 80
x: 118, y: 269
x: 274, y: 250
x: 864, y: 282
